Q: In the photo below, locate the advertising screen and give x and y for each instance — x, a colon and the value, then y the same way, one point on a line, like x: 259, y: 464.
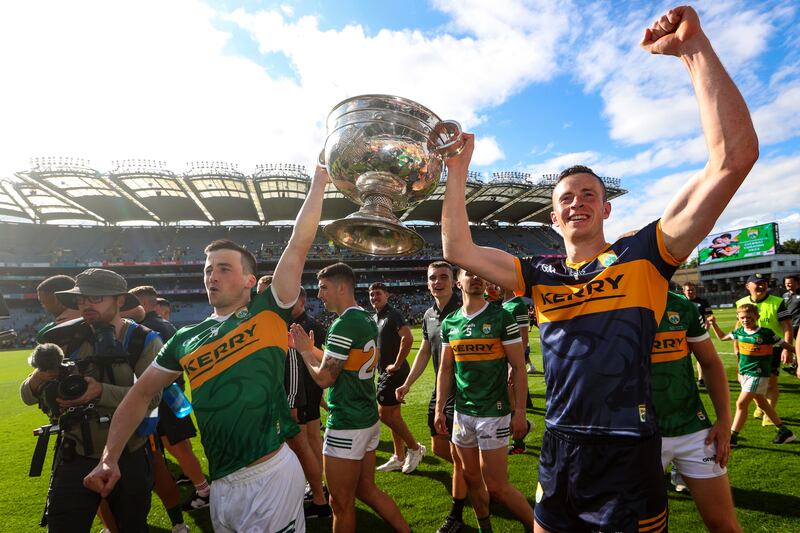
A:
x: 741, y: 243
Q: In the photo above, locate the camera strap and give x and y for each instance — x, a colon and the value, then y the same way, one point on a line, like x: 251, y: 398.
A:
x: 40, y: 452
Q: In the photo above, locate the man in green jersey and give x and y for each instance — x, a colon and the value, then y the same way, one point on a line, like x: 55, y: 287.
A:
x: 697, y: 449
x: 234, y: 361
x: 773, y: 314
x: 519, y: 310
x: 479, y: 341
x: 347, y: 369
x: 440, y: 285
x: 755, y: 346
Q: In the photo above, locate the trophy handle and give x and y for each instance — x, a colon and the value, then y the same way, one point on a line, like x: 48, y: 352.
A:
x: 321, y: 158
x: 450, y: 130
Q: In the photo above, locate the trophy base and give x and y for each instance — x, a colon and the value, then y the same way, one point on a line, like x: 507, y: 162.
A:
x: 373, y: 235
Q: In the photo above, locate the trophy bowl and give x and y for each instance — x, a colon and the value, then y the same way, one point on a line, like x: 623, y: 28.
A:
x: 385, y: 153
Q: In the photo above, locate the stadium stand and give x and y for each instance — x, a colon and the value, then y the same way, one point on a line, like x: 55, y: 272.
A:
x: 151, y: 225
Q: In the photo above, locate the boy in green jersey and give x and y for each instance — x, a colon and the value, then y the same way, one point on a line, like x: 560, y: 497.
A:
x: 479, y: 341
x: 234, y: 361
x: 772, y: 314
x: 755, y: 345
x: 347, y: 369
x: 697, y: 449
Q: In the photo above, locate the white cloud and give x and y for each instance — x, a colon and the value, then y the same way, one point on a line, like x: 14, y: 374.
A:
x: 487, y: 151
x: 649, y: 98
x: 770, y: 188
x: 780, y: 119
x: 154, y: 80
x: 456, y: 76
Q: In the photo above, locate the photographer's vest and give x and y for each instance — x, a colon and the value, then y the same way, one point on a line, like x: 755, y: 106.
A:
x: 121, y: 373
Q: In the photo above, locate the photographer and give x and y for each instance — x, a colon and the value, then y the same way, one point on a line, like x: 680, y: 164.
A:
x: 109, y: 355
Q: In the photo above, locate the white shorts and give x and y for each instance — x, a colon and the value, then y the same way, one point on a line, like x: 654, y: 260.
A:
x: 754, y: 384
x: 690, y: 455
x: 265, y: 497
x: 484, y: 432
x: 351, y: 443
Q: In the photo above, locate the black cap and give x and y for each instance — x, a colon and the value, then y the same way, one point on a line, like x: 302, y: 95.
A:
x: 757, y: 278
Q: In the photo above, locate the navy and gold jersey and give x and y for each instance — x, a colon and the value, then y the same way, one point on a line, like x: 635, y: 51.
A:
x: 597, y: 321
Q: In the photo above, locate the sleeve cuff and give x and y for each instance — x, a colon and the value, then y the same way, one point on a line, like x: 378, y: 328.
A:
x: 334, y: 355
x: 666, y: 255
x: 155, y: 365
x: 519, y: 290
x: 278, y: 300
x: 701, y: 338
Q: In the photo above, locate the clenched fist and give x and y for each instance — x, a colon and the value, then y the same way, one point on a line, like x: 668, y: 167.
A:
x: 672, y: 31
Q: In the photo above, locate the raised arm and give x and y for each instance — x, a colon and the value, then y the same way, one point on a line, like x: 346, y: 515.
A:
x: 491, y: 264
x: 289, y: 270
x: 727, y: 127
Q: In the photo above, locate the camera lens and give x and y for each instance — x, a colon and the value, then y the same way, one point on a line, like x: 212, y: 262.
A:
x: 72, y: 387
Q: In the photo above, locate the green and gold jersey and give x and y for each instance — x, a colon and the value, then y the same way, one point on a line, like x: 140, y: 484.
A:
x: 518, y: 309
x: 235, y: 368
x: 481, y: 367
x: 353, y: 337
x: 755, y: 350
x: 679, y: 410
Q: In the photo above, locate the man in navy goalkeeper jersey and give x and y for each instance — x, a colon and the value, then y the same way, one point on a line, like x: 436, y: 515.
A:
x: 598, y: 309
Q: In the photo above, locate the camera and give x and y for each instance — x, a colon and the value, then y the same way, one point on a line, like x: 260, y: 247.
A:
x: 68, y: 385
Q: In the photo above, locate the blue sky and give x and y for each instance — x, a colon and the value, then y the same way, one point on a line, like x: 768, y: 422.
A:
x: 542, y: 84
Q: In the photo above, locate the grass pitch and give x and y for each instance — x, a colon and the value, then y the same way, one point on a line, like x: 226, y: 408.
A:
x: 764, y: 476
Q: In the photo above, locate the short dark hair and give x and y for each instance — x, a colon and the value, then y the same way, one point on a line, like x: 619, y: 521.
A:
x: 440, y: 264
x: 144, y: 291
x: 54, y: 284
x: 163, y: 302
x: 378, y: 286
x: 248, y: 259
x: 582, y: 169
x: 689, y: 284
x: 792, y: 276
x: 338, y: 272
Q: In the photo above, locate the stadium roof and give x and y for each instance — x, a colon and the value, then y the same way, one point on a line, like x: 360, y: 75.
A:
x: 140, y: 191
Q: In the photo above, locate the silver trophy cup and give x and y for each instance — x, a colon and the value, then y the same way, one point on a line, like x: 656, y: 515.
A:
x: 385, y: 153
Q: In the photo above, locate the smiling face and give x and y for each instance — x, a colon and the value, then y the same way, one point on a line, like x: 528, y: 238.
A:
x: 227, y: 284
x: 378, y: 298
x: 758, y: 291
x: 579, y: 208
x: 689, y: 291
x: 748, y: 319
x: 791, y: 284
x: 440, y: 282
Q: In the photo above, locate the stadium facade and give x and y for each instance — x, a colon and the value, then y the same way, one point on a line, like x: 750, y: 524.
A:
x: 151, y: 224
